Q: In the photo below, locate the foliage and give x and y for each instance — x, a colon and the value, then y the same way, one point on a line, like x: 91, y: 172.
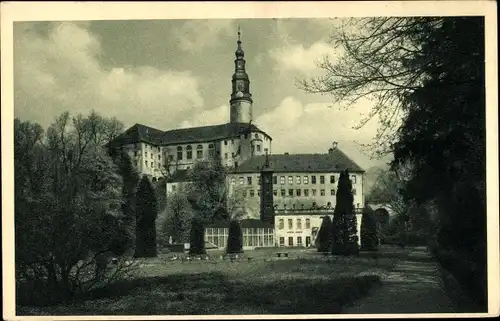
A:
x: 68, y: 218
x: 197, y: 237
x: 147, y: 212
x: 128, y: 207
x: 235, y: 238
x: 325, y: 236
x: 369, y: 239
x: 344, y: 218
x: 426, y: 77
x: 208, y: 192
x: 176, y: 220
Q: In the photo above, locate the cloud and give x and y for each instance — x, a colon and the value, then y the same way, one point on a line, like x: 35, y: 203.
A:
x: 312, y: 128
x: 60, y: 71
x: 301, y: 58
x: 199, y: 34
x: 219, y: 115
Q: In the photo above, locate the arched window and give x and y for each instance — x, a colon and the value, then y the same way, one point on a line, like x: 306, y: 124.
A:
x: 189, y: 152
x: 211, y: 150
x: 199, y: 151
x: 154, y: 179
x: 179, y: 152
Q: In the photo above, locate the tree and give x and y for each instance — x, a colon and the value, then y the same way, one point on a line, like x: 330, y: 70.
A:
x: 426, y: 78
x: 176, y: 220
x: 234, y: 238
x: 345, y: 218
x: 147, y: 212
x: 130, y: 179
x: 208, y: 191
x: 67, y: 208
x: 325, y: 235
x: 197, y: 237
x: 369, y: 239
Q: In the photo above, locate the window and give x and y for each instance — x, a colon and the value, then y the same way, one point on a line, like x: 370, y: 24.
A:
x: 252, y: 193
x: 171, y: 157
x: 283, y: 192
x: 241, y: 180
x: 313, y: 192
x: 135, y: 153
x: 290, y: 241
x: 353, y: 179
x: 297, y: 180
x: 258, y: 192
x: 332, y: 192
x: 189, y: 152
x: 159, y: 156
x: 232, y: 141
x: 322, y: 192
x: 146, y: 154
x: 298, y: 192
x: 290, y: 224
x: 308, y: 223
x: 249, y: 180
x: 281, y: 224
x: 332, y: 179
x: 282, y: 241
x: 306, y: 180
x: 256, y: 136
x: 282, y: 180
x: 233, y: 180
x: 235, y: 164
x: 275, y: 179
x: 258, y: 148
x: 313, y: 179
x: 322, y: 179
x: 179, y: 152
x: 299, y: 224
x: 225, y: 155
x: 199, y: 151
x: 290, y: 180
x: 299, y: 240
x: 290, y: 192
x: 174, y: 188
x: 211, y: 150
x: 146, y: 163
x: 306, y: 192
x: 245, y: 193
x: 275, y: 192
x: 232, y: 155
x: 225, y: 142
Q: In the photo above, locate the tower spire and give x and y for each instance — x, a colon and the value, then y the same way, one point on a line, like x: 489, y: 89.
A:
x: 241, y: 98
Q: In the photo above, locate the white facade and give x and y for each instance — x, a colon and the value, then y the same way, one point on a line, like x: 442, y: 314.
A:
x: 300, y: 229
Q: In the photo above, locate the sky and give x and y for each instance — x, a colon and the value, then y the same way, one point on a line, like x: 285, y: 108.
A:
x: 171, y: 74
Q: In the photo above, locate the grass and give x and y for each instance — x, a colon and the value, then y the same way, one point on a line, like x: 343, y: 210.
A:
x: 305, y: 283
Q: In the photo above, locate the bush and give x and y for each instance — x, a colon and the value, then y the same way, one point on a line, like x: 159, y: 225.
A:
x: 369, y: 240
x: 235, y: 238
x: 325, y: 235
x: 197, y: 239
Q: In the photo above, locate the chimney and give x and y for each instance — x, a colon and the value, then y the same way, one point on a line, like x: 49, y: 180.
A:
x: 330, y: 150
x: 287, y: 154
x: 334, y: 145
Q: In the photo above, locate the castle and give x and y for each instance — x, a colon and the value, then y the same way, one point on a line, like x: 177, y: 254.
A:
x: 299, y: 189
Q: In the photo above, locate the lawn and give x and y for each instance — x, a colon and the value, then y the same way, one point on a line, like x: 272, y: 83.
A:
x: 305, y: 283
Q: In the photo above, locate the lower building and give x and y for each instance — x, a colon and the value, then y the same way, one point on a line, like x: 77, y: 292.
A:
x: 300, y: 228
x: 255, y: 234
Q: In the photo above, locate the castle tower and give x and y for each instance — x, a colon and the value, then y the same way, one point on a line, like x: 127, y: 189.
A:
x: 241, y: 98
x: 266, y: 193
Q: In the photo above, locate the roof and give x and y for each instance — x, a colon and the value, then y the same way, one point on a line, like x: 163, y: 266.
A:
x: 141, y: 133
x: 245, y: 223
x: 336, y: 161
x: 208, y: 133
